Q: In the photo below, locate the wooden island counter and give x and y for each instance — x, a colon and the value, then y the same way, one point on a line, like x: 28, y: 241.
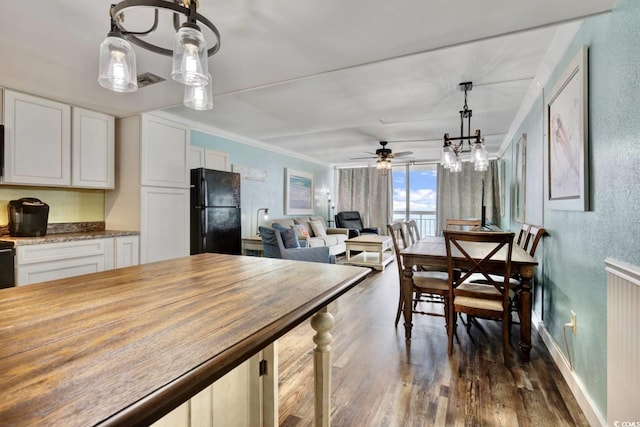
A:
x: 126, y: 346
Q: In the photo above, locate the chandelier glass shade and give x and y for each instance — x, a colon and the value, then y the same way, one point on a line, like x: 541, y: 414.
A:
x: 117, y: 67
x: 453, y: 146
x: 199, y: 97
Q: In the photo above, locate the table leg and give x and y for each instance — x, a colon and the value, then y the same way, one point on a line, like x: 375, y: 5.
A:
x: 322, y: 322
x: 406, y: 288
x: 526, y: 274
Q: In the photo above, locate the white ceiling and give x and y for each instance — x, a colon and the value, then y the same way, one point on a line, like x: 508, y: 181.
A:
x: 325, y: 79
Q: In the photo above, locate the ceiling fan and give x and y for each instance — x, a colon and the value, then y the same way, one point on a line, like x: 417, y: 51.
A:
x: 384, y: 153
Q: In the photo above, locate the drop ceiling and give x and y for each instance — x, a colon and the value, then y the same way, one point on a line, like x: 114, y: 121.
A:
x: 327, y: 80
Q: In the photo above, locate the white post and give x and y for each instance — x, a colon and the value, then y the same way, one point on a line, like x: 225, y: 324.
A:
x: 322, y: 322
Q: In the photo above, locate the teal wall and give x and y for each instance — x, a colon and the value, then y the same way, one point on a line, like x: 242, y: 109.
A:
x: 572, y: 275
x: 270, y: 193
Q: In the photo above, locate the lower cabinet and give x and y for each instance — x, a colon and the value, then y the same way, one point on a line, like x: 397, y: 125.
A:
x: 51, y: 261
x: 245, y: 397
x: 127, y: 251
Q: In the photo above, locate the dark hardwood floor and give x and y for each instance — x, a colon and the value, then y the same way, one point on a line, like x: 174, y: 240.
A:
x: 379, y: 380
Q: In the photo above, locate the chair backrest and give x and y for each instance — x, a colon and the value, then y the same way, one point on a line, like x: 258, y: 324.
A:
x: 396, y: 231
x: 271, y: 242
x: 534, y: 234
x: 465, y: 245
x: 412, y: 230
x: 349, y: 219
x: 462, y: 224
x: 523, y: 234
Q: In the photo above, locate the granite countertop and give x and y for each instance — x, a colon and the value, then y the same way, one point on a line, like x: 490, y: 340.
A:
x: 68, y: 237
x: 67, y: 232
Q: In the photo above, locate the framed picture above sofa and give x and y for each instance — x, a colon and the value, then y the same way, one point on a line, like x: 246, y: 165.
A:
x: 298, y: 192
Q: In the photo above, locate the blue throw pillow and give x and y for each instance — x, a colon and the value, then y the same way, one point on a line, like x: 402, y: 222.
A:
x: 289, y: 237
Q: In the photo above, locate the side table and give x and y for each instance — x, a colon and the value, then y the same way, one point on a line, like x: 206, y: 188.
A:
x: 253, y: 244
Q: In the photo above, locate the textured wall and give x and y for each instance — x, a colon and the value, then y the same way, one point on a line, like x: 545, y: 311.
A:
x: 578, y: 242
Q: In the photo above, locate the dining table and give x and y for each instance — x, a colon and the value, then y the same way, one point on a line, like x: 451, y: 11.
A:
x: 431, y: 251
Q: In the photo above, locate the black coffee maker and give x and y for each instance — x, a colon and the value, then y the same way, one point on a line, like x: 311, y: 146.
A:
x: 28, y: 217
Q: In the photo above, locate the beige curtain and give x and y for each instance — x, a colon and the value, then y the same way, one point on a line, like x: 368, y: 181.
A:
x: 368, y: 191
x: 460, y: 194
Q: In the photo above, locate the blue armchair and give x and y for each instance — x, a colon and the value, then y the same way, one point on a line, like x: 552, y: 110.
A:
x: 274, y: 248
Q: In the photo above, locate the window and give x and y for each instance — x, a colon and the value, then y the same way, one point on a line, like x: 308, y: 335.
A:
x: 414, y: 196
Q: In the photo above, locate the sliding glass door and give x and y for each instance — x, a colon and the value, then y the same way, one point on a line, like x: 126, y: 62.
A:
x: 414, y: 196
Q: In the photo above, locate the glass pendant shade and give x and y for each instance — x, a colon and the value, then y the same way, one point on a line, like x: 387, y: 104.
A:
x: 117, y: 67
x: 456, y: 166
x: 478, y: 153
x: 190, y: 58
x: 199, y: 97
x: 447, y: 158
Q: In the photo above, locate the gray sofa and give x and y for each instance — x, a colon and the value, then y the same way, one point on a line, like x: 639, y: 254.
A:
x: 334, y: 238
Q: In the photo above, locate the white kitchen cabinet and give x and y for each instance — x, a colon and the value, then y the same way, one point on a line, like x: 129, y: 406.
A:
x: 150, y: 197
x: 164, y: 230
x: 217, y: 160
x: 127, y: 251
x: 37, y: 140
x: 165, y: 153
x: 196, y: 157
x: 51, y: 261
x: 93, y: 146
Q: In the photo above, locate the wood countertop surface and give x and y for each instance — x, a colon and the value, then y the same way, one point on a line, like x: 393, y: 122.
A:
x: 126, y: 346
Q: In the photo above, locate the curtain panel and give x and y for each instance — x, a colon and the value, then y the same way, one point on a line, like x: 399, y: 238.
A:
x: 460, y: 194
x: 368, y: 191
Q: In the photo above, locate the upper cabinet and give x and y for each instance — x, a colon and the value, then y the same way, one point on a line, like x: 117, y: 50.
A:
x: 165, y: 153
x: 39, y: 134
x: 93, y: 149
x: 37, y: 140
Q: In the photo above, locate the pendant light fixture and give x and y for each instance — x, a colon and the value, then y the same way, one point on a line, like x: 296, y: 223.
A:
x: 117, y: 69
x: 199, y: 97
x: 450, y: 157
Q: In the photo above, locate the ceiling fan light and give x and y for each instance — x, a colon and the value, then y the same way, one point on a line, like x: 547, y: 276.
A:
x: 199, y: 97
x: 190, y: 65
x: 117, y: 66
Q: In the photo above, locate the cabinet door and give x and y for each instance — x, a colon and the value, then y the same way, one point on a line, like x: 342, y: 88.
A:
x: 37, y: 140
x: 216, y: 160
x: 196, y: 157
x: 165, y: 153
x: 127, y: 251
x: 92, y: 149
x: 164, y: 223
x: 51, y: 261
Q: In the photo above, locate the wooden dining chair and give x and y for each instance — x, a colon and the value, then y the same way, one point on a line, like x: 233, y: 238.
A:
x: 478, y: 300
x: 412, y: 231
x: 523, y: 234
x: 428, y: 286
x: 462, y: 224
x: 529, y: 243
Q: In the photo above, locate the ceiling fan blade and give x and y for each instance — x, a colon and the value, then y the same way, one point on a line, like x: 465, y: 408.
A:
x: 362, y: 158
x: 403, y: 153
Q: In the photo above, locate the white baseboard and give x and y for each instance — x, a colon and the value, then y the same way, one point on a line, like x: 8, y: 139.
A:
x: 592, y: 414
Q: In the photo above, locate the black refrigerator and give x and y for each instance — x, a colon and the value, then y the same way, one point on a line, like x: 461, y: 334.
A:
x: 215, y: 212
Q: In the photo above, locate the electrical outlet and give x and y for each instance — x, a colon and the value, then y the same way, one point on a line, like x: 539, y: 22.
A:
x: 574, y: 325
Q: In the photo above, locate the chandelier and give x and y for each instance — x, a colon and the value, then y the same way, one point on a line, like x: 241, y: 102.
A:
x: 117, y: 69
x: 451, y: 150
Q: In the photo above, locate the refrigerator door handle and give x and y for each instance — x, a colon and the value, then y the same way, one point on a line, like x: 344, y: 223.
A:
x: 205, y: 192
x: 203, y: 228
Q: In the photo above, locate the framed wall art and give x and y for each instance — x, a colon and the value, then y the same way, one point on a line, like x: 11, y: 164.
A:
x: 298, y: 193
x: 567, y: 153
x: 519, y: 178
